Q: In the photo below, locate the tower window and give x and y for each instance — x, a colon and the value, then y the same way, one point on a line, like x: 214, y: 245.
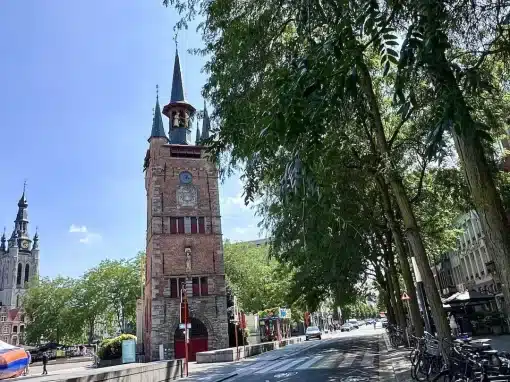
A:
x: 182, y: 284
x: 196, y: 286
x: 27, y: 272
x: 187, y: 225
x: 18, y: 278
x: 180, y: 225
x: 204, y: 287
x: 201, y: 225
x: 194, y: 226
x: 173, y: 288
x: 173, y: 225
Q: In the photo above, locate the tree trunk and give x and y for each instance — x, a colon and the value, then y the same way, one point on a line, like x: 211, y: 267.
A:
x: 91, y: 330
x: 402, y: 258
x: 394, y: 290
x: 386, y: 294
x: 481, y: 184
x: 409, y: 220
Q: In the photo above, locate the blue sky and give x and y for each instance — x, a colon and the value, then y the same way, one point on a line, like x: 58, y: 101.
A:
x: 77, y: 84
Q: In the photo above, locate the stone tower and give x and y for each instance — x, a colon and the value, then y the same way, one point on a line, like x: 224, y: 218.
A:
x: 184, y: 240
x: 19, y: 261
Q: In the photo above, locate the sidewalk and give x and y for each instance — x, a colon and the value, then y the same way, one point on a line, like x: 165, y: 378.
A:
x: 394, y: 364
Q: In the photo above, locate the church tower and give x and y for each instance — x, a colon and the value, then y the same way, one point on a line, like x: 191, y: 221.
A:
x: 184, y: 240
x: 19, y: 262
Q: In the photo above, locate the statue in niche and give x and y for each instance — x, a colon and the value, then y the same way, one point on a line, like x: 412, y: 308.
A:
x: 187, y: 251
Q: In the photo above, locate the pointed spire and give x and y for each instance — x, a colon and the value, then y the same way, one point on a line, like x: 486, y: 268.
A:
x: 206, y: 124
x: 197, y: 137
x: 13, y: 241
x: 35, y: 244
x: 23, y: 200
x: 177, y: 85
x: 2, y: 242
x: 158, y: 130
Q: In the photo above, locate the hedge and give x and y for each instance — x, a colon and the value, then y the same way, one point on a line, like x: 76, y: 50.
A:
x: 111, y: 348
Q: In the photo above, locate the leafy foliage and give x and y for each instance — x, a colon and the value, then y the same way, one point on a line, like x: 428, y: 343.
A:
x: 111, y: 348
x: 64, y: 309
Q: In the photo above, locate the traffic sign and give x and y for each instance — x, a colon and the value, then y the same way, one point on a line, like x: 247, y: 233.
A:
x: 405, y: 297
x: 181, y: 326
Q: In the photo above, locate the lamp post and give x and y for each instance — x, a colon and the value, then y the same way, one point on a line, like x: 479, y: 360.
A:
x: 422, y: 298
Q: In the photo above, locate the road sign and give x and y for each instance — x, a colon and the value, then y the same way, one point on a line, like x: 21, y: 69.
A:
x: 405, y: 297
x: 181, y: 326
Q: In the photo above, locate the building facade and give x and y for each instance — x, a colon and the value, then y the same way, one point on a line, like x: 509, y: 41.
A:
x: 184, y: 239
x: 19, y: 259
x: 470, y: 266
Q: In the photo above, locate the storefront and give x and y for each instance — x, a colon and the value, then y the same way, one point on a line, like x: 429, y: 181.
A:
x: 274, y: 324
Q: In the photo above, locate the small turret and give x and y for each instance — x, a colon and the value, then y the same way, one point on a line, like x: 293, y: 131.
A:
x: 35, y: 244
x: 3, y: 247
x: 206, y: 124
x: 197, y: 137
x: 158, y: 130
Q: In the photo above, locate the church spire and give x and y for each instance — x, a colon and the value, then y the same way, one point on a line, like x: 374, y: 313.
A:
x: 206, y: 124
x: 179, y: 111
x: 35, y: 244
x: 197, y: 136
x: 158, y: 130
x: 21, y: 222
x: 177, y: 85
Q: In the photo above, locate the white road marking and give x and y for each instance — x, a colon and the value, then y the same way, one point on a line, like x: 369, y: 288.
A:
x: 348, y: 360
x: 289, y: 365
x: 273, y: 366
x: 368, y: 360
x: 310, y: 362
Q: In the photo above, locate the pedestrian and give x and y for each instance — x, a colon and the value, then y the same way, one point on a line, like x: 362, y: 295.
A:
x: 44, y: 362
x: 375, y: 323
x: 453, y: 325
x: 29, y: 359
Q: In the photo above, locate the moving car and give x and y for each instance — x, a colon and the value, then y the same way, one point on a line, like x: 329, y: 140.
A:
x: 313, y: 332
x: 346, y: 327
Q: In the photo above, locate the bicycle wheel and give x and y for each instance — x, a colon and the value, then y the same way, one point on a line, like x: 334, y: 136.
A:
x: 422, y: 369
x: 445, y: 376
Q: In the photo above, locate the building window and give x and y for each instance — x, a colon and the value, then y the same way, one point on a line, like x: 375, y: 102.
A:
x: 194, y: 225
x: 173, y: 288
x: 17, y: 301
x: 5, y: 329
x: 18, y: 278
x: 204, y: 287
x: 27, y: 272
x: 196, y: 286
x: 15, y: 340
x: 180, y: 225
x: 187, y: 225
x: 3, y: 318
x: 21, y: 328
x: 173, y: 225
x: 15, y: 329
x: 201, y: 225
x: 6, y: 339
x: 22, y: 319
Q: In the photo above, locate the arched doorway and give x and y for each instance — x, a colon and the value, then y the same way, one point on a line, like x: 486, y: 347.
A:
x: 197, y: 343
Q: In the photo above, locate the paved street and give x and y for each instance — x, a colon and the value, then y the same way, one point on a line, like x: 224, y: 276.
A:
x: 347, y: 357
x: 56, y: 368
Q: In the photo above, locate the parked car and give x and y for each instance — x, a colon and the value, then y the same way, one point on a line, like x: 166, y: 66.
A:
x: 384, y: 322
x: 313, y: 332
x: 361, y: 322
x: 354, y: 323
x: 346, y: 327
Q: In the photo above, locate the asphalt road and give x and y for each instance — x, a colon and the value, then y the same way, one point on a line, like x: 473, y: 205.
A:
x: 343, y: 357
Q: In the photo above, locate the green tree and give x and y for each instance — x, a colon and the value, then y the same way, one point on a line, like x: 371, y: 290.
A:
x: 121, y: 284
x: 256, y: 280
x: 51, y: 310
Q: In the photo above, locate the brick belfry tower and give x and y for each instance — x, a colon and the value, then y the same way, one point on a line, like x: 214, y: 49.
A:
x: 184, y: 240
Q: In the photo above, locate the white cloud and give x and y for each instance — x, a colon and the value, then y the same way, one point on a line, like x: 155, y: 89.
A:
x: 86, y: 237
x: 90, y: 238
x: 76, y: 228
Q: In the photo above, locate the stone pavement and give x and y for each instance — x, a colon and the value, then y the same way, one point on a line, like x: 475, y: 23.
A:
x: 394, y: 364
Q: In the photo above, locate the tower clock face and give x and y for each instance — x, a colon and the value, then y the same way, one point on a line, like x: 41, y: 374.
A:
x: 185, y: 177
x: 24, y: 244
